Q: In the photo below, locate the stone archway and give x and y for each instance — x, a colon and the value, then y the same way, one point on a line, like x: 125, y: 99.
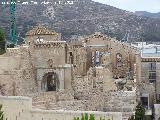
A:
x: 50, y: 82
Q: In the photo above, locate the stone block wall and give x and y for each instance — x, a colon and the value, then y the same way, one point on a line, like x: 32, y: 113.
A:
x: 75, y: 105
x: 158, y: 80
x: 51, y: 100
x: 157, y: 111
x: 123, y: 101
x: 64, y: 95
x: 81, y: 86
x: 17, y: 72
x: 20, y: 108
x: 96, y: 100
x: 127, y: 52
x: 48, y: 56
x: 16, y: 108
x: 43, y: 97
x: 15, y: 83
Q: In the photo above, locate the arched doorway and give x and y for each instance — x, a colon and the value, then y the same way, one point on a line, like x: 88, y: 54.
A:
x: 50, y: 82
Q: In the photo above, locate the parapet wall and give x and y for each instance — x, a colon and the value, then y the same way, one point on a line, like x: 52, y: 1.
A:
x: 20, y: 108
x: 16, y: 108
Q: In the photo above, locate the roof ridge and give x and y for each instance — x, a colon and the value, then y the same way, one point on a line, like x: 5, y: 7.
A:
x: 40, y: 30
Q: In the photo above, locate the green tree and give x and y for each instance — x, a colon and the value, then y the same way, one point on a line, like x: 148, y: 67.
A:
x: 91, y: 117
x: 83, y: 117
x: 1, y: 113
x: 86, y: 117
x: 2, y: 38
x: 140, y: 112
x: 131, y: 118
x: 2, y: 42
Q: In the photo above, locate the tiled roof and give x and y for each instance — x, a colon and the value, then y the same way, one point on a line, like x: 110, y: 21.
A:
x: 40, y: 30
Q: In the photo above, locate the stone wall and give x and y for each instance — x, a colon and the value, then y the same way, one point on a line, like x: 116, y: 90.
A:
x: 105, y: 43
x: 75, y: 105
x: 157, y: 111
x: 83, y: 90
x: 101, y: 92
x: 17, y: 73
x: 16, y: 108
x: 122, y: 101
x: 20, y: 108
x: 43, y: 97
x: 81, y: 59
x: 60, y: 95
x: 48, y: 55
x: 19, y: 69
x: 158, y: 80
x: 65, y: 95
x: 82, y: 87
x: 148, y: 86
x: 17, y: 82
x: 32, y: 39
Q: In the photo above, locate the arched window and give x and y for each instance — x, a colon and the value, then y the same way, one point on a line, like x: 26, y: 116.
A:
x: 97, y: 57
x: 118, y: 60
x: 70, y: 57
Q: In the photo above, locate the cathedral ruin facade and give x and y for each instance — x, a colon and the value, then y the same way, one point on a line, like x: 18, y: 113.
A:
x: 94, y: 73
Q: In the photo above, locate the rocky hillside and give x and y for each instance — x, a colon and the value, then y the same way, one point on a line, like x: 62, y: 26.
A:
x: 81, y: 18
x: 148, y: 14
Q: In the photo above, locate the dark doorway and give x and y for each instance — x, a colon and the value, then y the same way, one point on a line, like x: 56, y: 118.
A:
x: 144, y: 101
x: 51, y: 83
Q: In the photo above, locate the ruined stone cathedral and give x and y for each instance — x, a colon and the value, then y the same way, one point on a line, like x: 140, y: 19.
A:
x: 88, y: 74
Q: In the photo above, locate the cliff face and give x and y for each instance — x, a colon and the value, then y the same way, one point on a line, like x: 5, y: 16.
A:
x: 82, y: 17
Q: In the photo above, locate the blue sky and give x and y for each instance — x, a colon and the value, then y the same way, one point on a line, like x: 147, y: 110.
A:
x: 134, y: 5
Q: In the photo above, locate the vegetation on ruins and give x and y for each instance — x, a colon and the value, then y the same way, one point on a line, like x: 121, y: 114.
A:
x: 131, y: 118
x: 2, y: 42
x: 86, y: 117
x: 140, y: 114
x: 1, y: 35
x: 1, y: 113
